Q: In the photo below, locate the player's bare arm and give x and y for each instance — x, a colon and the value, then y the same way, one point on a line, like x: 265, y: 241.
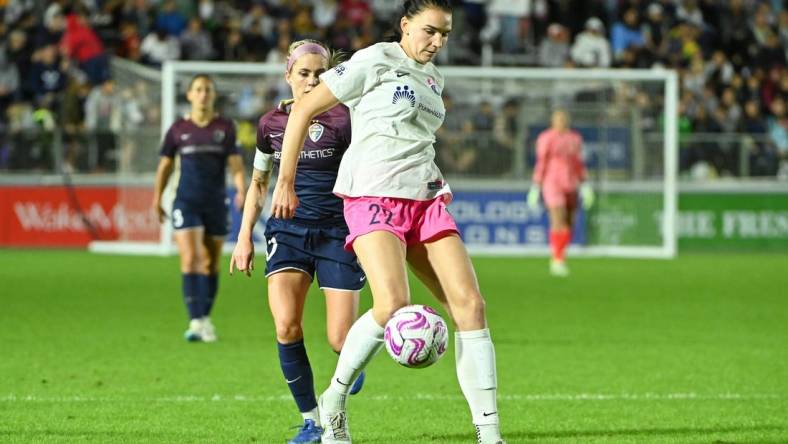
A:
x: 243, y: 253
x: 236, y: 164
x: 163, y: 173
x: 319, y: 100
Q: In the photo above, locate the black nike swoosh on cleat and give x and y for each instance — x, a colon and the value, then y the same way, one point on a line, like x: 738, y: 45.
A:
x: 489, y: 414
x: 342, y: 382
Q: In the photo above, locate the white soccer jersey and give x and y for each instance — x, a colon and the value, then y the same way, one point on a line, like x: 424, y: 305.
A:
x: 396, y: 108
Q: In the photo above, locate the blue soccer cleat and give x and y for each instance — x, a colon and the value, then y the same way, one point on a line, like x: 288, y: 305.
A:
x: 358, y: 384
x: 308, y: 433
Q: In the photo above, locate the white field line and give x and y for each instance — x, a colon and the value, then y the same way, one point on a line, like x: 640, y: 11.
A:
x: 578, y: 397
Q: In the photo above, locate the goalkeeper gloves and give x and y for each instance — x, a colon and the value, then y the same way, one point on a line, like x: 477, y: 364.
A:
x: 533, y: 196
x: 587, y: 195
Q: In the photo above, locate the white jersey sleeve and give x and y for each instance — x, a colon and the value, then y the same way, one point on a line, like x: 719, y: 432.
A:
x: 353, y: 78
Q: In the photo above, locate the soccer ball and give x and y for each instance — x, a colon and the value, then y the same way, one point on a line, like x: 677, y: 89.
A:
x: 416, y: 336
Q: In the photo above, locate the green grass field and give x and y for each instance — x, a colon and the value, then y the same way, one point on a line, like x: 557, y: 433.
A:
x: 693, y: 350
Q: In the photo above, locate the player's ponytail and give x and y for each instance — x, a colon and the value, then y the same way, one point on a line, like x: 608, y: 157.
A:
x: 334, y: 57
x: 412, y: 8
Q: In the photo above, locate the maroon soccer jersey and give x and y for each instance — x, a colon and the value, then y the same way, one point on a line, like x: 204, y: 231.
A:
x: 327, y: 140
x: 204, y: 152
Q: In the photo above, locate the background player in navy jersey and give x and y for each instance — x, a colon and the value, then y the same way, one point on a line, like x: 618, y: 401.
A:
x: 206, y: 143
x: 312, y: 243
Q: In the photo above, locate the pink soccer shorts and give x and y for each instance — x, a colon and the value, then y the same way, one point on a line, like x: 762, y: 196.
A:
x: 555, y: 197
x: 412, y: 221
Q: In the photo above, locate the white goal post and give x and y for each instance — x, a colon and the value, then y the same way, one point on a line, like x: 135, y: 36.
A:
x: 634, y: 165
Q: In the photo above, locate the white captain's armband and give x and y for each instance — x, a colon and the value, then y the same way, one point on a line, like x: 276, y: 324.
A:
x: 263, y: 161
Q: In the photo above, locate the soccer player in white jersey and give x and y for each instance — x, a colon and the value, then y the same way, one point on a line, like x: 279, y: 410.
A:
x: 395, y: 207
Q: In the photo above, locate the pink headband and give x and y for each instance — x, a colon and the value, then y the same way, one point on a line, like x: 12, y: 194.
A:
x: 306, y: 48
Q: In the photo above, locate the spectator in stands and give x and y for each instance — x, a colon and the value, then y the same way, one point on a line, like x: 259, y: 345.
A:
x: 554, y: 50
x: 763, y: 158
x: 761, y: 28
x: 454, y: 152
x: 158, y: 47
x: 234, y: 47
x: 103, y: 114
x: 138, y: 12
x: 626, y: 34
x: 357, y: 11
x: 689, y: 11
x: 80, y: 43
x: 771, y: 53
x: 48, y: 76
x: 9, y: 84
x: 19, y: 52
x: 778, y: 127
x: 508, y: 14
x: 734, y: 31
x: 258, y: 26
x: 655, y: 30
x: 783, y: 28
x: 719, y: 70
x: 506, y: 133
x: 196, y: 43
x: 591, y: 49
x: 54, y: 24
x: 130, y: 42
x: 170, y: 20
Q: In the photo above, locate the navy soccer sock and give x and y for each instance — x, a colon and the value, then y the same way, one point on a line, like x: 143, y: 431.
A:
x: 192, y: 296
x: 212, y: 287
x: 298, y: 374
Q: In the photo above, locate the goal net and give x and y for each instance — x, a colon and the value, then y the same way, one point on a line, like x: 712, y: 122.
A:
x: 486, y: 149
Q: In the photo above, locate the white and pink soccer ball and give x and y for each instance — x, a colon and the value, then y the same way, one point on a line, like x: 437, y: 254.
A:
x: 416, y: 336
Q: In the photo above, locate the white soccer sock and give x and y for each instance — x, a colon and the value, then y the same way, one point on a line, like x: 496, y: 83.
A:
x: 362, y: 343
x: 313, y: 415
x: 476, y: 372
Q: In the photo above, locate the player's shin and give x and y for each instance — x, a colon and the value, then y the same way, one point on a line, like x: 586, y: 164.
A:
x: 298, y: 376
x: 475, y: 356
x: 363, y: 342
x: 213, y: 289
x: 192, y: 296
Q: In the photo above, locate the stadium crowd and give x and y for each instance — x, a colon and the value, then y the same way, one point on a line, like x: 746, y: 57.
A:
x: 731, y: 56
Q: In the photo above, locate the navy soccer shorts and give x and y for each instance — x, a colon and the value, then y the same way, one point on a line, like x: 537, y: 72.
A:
x: 314, y: 250
x: 214, y: 218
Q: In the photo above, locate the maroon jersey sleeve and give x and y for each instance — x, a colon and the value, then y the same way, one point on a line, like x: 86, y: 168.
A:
x: 169, y: 145
x: 263, y: 143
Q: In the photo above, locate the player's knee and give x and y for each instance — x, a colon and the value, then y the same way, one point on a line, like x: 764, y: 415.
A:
x: 468, y: 308
x: 336, y: 340
x: 190, y: 263
x: 383, y: 310
x: 288, y: 332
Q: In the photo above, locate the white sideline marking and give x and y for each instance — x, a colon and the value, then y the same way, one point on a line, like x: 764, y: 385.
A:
x: 578, y: 397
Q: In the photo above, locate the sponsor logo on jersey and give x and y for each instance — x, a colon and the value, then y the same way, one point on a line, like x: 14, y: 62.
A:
x: 340, y: 69
x: 218, y: 136
x: 428, y: 110
x: 402, y: 74
x: 316, y: 131
x: 433, y: 86
x: 404, y: 93
x: 185, y: 136
x: 435, y: 185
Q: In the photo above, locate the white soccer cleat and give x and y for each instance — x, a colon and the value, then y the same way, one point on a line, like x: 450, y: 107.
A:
x: 195, y: 331
x: 559, y: 268
x: 334, y: 422
x: 208, y: 332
